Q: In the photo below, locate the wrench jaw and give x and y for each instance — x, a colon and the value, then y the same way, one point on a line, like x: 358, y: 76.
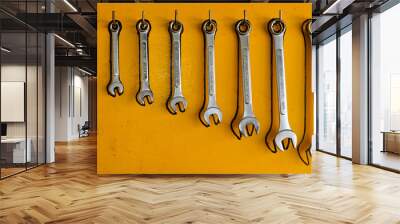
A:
x: 285, y: 134
x: 213, y: 112
x: 115, y: 87
x: 177, y: 103
x: 144, y: 95
x: 248, y: 125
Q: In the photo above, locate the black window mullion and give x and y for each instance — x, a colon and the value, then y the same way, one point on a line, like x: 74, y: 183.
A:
x: 317, y: 96
x: 338, y: 91
x: 369, y: 101
x: 26, y: 87
x: 37, y: 90
x: 0, y: 91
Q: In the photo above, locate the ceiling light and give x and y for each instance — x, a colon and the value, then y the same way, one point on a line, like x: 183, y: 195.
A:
x: 85, y: 72
x: 337, y: 7
x: 65, y: 41
x: 5, y: 50
x: 70, y: 5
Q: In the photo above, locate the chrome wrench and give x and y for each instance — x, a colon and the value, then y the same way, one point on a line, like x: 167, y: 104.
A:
x: 143, y: 28
x: 211, y: 108
x: 277, y: 30
x: 176, y: 98
x: 248, y: 118
x: 114, y: 27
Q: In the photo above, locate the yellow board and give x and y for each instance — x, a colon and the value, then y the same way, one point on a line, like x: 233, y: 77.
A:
x: 133, y: 139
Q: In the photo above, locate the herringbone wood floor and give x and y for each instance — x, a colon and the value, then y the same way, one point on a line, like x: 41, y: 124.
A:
x: 69, y: 191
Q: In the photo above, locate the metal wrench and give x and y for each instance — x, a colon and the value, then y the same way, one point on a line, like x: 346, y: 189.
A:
x: 248, y: 118
x: 114, y: 27
x: 277, y: 30
x: 211, y: 108
x: 143, y: 28
x: 176, y: 98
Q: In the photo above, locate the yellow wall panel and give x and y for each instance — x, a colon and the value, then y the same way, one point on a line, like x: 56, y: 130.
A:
x: 133, y: 139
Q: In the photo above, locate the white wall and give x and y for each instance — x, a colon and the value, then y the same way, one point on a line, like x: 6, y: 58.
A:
x: 80, y: 110
x: 71, y: 102
x: 61, y: 103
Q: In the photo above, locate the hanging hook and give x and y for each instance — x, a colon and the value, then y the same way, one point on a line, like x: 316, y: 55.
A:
x: 244, y: 15
x: 209, y: 15
x: 176, y: 15
x: 280, y: 14
x: 143, y: 23
x: 113, y: 17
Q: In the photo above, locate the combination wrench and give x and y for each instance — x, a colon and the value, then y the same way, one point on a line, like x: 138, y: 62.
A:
x: 210, y: 104
x: 114, y: 27
x: 248, y: 119
x: 277, y: 29
x: 143, y: 28
x: 176, y: 98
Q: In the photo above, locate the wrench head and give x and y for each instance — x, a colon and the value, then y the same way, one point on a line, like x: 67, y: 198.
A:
x: 177, y: 103
x: 115, y: 26
x: 285, y: 134
x: 145, y: 94
x: 214, y: 112
x: 248, y: 125
x: 115, y: 85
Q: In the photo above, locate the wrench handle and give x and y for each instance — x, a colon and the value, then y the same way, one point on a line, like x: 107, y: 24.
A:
x: 210, y: 64
x: 144, y: 60
x: 245, y: 65
x: 280, y: 73
x: 176, y: 62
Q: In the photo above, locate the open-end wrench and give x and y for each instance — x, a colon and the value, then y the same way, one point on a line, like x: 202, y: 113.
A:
x: 277, y: 30
x: 210, y: 106
x: 248, y: 119
x: 143, y: 28
x: 306, y: 157
x: 114, y: 27
x: 176, y: 98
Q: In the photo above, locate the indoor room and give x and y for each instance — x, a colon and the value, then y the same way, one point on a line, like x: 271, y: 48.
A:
x: 199, y: 111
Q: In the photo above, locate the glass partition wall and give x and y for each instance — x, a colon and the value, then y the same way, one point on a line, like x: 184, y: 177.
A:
x: 334, y: 93
x: 22, y: 78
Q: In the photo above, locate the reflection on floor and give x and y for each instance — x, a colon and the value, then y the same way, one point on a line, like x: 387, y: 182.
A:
x: 12, y: 169
x: 70, y: 191
x: 387, y: 159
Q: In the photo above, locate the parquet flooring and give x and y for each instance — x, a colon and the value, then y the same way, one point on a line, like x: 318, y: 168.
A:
x: 69, y: 191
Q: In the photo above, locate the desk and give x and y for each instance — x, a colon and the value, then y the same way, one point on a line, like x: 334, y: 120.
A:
x: 391, y: 141
x: 16, y: 147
